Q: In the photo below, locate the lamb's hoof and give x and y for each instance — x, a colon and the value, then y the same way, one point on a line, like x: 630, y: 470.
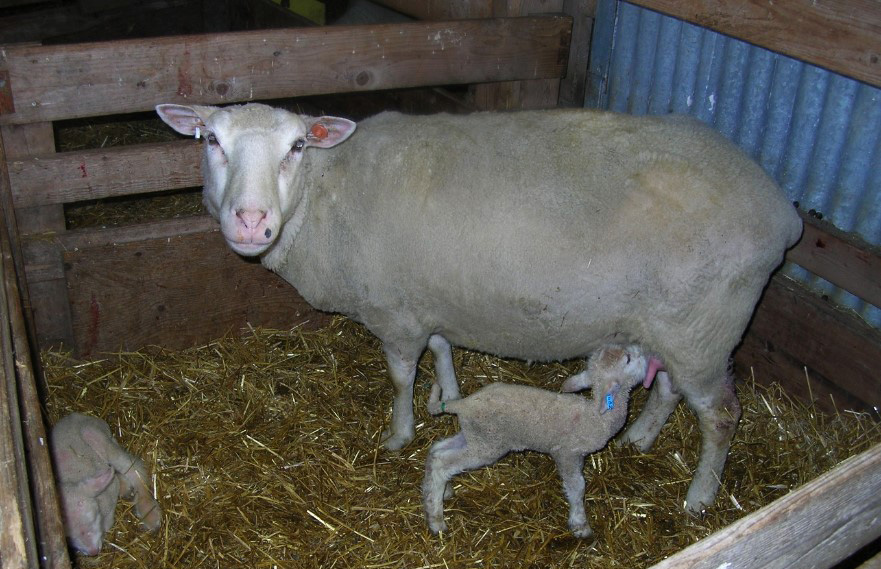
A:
x: 582, y: 532
x: 437, y: 526
x: 395, y: 441
x: 152, y: 519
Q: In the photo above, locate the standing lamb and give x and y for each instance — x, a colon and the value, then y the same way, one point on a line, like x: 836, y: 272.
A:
x: 502, y: 418
x: 538, y: 235
x: 92, y: 471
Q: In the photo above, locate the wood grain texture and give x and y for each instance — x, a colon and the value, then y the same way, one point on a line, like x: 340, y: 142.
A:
x: 174, y: 292
x: 815, y: 526
x: 794, y: 329
x: 94, y: 174
x: 440, y: 9
x: 46, y: 515
x: 842, y: 35
x: 80, y: 80
x: 841, y: 259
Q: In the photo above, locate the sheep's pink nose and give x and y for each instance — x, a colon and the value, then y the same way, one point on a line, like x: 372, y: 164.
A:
x: 252, y: 220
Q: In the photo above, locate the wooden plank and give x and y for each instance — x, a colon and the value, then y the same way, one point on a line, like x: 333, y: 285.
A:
x: 525, y: 94
x: 51, y: 542
x: 817, y: 525
x: 17, y: 537
x: 760, y: 359
x: 61, y: 82
x: 175, y: 292
x: 46, y: 309
x: 94, y: 174
x: 840, y: 258
x: 843, y: 36
x: 440, y: 9
x: 573, y: 86
x: 834, y: 345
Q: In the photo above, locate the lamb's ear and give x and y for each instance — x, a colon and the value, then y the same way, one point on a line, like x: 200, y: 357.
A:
x: 609, y: 399
x: 98, y: 482
x: 185, y: 119
x: 575, y: 383
x: 327, y: 132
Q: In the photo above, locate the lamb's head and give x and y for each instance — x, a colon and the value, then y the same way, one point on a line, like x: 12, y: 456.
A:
x: 611, y: 370
x: 251, y: 164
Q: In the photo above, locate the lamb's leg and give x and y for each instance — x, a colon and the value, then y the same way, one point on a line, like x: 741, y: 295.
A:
x: 718, y: 411
x: 132, y: 474
x: 446, y: 459
x: 571, y: 469
x: 402, y: 369
x: 443, y: 367
x: 660, y: 404
x: 436, y: 484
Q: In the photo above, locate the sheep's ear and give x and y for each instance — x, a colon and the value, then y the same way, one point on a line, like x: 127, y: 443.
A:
x: 327, y: 132
x: 185, y: 119
x: 609, y: 399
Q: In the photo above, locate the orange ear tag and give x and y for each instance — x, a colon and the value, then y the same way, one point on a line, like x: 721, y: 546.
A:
x: 319, y: 131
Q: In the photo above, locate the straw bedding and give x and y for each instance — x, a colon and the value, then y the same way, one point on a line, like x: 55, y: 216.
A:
x: 265, y: 453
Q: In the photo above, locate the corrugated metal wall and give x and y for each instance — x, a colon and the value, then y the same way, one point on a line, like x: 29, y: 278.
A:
x: 817, y: 133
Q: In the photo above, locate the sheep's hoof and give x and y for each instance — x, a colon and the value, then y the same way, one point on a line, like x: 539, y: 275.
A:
x: 582, y: 532
x: 394, y: 441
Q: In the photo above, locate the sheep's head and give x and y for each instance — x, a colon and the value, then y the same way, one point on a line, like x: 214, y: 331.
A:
x: 251, y: 164
x: 610, y: 370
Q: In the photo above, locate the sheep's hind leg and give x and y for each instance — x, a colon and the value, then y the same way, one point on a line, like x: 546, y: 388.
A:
x: 718, y: 412
x: 660, y: 404
x: 445, y: 373
x: 571, y: 469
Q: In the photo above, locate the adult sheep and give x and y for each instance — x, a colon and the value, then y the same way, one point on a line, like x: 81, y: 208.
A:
x: 534, y: 235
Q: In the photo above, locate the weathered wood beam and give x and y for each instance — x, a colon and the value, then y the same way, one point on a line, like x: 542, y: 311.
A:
x: 71, y: 81
x: 441, y: 9
x: 794, y: 328
x: 843, y: 36
x: 817, y: 525
x: 840, y: 258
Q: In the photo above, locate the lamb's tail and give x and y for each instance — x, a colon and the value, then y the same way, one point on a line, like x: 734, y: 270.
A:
x: 435, y: 405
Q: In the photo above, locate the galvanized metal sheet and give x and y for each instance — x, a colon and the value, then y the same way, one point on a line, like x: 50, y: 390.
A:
x: 816, y: 132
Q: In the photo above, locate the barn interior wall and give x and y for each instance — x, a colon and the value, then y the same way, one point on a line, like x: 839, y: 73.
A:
x: 816, y: 132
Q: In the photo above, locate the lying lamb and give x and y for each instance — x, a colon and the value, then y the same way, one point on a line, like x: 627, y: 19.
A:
x: 501, y: 418
x: 92, y: 471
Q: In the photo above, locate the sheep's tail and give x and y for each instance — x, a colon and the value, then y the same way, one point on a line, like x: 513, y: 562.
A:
x: 435, y: 405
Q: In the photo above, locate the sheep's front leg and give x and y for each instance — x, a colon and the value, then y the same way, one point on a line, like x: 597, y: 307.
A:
x: 571, y: 469
x: 402, y: 369
x: 445, y: 374
x: 660, y: 404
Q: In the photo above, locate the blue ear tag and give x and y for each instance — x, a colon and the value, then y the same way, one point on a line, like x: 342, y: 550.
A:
x: 610, y: 401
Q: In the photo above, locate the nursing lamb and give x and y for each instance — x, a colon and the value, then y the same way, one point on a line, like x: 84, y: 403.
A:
x: 538, y: 235
x: 503, y: 417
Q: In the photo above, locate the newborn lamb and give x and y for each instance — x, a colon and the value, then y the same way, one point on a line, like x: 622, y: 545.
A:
x: 501, y: 418
x: 92, y: 471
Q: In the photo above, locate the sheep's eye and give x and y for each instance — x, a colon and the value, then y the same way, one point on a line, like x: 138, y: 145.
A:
x: 211, y: 139
x: 298, y: 146
x: 628, y: 358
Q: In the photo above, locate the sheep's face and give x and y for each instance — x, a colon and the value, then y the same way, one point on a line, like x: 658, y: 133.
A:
x: 252, y: 164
